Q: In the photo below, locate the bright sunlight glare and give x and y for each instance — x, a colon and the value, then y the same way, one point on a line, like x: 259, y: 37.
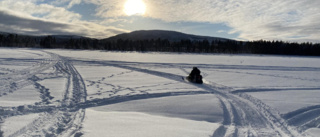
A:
x: 134, y: 7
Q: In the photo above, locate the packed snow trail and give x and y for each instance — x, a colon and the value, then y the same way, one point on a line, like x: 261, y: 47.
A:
x: 76, y: 90
x: 53, y: 120
x: 18, y: 79
x: 243, y: 114
x: 304, y: 118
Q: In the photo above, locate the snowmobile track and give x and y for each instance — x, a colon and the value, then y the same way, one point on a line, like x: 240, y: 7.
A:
x: 304, y: 118
x: 52, y: 120
x: 244, y: 115
x: 21, y: 78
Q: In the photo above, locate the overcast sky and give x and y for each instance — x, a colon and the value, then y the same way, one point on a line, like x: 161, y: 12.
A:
x: 288, y: 20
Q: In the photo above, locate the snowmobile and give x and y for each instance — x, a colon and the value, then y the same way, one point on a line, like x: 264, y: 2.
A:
x: 196, y: 79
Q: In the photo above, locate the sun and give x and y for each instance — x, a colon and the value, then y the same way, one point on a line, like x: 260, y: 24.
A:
x: 135, y: 7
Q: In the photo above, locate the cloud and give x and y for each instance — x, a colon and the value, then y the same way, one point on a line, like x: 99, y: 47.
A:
x: 44, y: 19
x: 13, y: 23
x: 45, y: 11
x: 221, y: 31
x: 69, y: 3
x: 269, y: 19
x: 292, y: 20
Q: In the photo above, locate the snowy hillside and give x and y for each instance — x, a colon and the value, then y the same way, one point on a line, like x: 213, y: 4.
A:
x: 117, y: 94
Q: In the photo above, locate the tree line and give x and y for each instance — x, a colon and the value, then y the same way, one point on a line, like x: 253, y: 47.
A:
x: 164, y: 45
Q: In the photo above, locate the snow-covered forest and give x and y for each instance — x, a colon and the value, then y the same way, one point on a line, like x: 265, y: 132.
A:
x: 51, y: 92
x: 162, y: 41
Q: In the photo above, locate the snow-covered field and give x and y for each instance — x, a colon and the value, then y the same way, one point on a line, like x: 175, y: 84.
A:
x: 117, y: 94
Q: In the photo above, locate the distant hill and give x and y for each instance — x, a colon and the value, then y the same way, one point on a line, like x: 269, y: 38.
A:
x: 58, y: 37
x: 135, y: 35
x: 162, y: 34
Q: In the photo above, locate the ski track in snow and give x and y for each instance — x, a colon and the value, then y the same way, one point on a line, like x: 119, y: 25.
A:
x: 244, y: 115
